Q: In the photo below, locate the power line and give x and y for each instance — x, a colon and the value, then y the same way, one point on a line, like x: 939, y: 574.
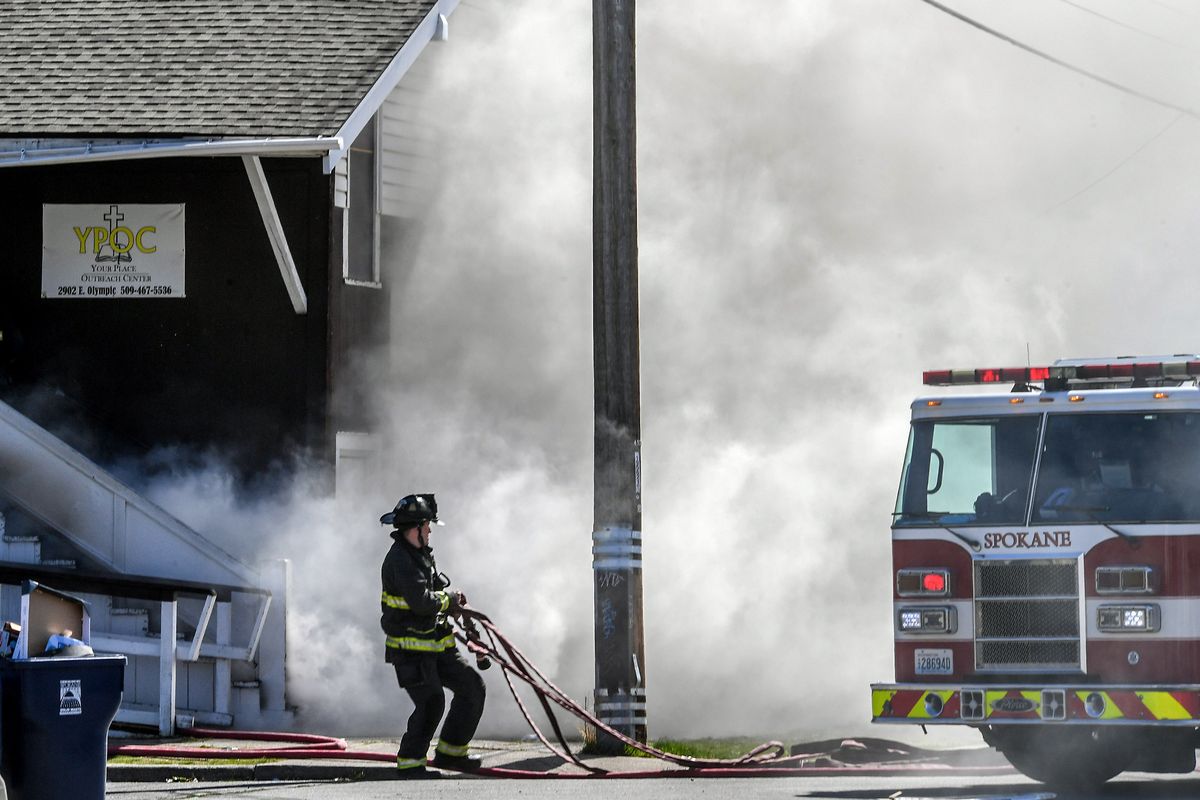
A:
x: 1122, y: 163
x: 1078, y: 70
x: 1126, y: 25
x: 1170, y: 7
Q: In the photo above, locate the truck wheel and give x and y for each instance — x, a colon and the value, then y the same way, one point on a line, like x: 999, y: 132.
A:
x: 1067, y: 757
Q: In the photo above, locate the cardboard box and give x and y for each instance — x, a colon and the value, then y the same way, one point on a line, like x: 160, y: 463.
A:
x: 46, y: 612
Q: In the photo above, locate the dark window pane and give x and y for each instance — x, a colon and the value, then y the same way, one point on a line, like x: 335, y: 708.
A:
x: 360, y: 244
x: 1133, y: 467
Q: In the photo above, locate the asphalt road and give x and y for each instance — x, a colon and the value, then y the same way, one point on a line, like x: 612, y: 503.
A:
x: 1185, y: 787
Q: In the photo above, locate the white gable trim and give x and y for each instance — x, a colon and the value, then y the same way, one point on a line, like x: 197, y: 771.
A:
x: 432, y: 28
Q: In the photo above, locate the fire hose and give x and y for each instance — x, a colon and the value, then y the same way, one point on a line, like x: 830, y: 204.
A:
x: 490, y: 646
x: 498, y: 648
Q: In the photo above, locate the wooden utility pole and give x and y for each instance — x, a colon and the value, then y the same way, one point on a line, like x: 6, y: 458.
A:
x: 617, y: 526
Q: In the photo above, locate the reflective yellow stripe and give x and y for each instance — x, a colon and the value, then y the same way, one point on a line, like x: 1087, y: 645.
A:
x: 420, y: 645
x: 394, y: 601
x: 450, y: 749
x: 1163, y: 706
x: 409, y: 763
x: 880, y: 698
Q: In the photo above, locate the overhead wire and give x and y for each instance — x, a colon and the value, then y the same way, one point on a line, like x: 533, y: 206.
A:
x: 1122, y: 163
x: 1064, y: 64
x: 1126, y: 25
x: 1170, y: 7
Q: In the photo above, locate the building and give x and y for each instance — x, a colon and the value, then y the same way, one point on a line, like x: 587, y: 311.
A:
x: 197, y: 196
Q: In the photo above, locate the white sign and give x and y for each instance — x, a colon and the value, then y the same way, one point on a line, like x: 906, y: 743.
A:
x: 935, y: 662
x: 112, y: 251
x: 70, y: 698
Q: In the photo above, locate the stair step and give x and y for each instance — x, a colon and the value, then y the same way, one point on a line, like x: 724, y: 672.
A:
x: 247, y: 699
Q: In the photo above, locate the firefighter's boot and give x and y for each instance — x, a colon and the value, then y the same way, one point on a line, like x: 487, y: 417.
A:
x: 456, y: 763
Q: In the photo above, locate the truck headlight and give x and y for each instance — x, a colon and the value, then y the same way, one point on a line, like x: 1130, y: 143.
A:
x: 1124, y: 580
x: 936, y: 619
x: 1128, y: 619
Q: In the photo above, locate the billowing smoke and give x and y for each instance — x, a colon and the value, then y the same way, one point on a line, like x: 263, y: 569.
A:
x: 833, y: 197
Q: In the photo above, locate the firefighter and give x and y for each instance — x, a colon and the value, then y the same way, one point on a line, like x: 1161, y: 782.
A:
x: 420, y: 644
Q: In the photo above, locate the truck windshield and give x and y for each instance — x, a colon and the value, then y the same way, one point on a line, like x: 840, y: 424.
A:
x: 1132, y: 467
x: 968, y: 471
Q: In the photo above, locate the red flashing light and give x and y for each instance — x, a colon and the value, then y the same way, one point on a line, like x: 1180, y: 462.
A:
x: 1114, y: 371
x: 933, y: 582
x: 952, y: 377
x: 1148, y: 370
x: 1120, y: 370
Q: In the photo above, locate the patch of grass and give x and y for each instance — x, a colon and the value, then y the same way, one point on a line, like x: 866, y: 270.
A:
x: 734, y: 747
x: 708, y: 749
x: 192, y: 762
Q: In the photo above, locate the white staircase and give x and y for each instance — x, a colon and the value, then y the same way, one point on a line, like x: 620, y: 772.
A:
x: 212, y: 654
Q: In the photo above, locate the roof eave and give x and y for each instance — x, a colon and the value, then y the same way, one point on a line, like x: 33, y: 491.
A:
x: 23, y: 155
x: 432, y: 28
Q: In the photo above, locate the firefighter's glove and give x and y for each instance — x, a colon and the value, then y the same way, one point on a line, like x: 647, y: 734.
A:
x: 457, y: 601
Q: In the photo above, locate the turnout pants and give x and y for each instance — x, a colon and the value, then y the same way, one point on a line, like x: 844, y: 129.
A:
x: 426, y: 676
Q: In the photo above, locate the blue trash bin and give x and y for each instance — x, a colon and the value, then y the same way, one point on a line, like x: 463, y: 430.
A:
x: 54, y: 719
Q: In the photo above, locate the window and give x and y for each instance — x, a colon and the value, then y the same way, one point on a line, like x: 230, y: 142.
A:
x: 356, y: 464
x: 968, y: 471
x: 1132, y: 467
x: 361, y: 225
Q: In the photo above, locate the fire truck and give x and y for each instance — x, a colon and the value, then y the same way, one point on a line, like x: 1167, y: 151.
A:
x: 1046, y: 566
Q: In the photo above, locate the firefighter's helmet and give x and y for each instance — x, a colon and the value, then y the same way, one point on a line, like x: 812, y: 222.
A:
x: 413, y: 509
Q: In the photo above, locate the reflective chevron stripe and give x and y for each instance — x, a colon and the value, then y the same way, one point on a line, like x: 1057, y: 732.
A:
x: 1058, y: 703
x: 1165, y: 705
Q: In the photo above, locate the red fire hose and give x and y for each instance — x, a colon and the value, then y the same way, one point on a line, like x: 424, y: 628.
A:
x: 765, y: 760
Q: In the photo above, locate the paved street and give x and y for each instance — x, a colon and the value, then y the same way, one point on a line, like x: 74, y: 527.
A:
x: 1185, y: 787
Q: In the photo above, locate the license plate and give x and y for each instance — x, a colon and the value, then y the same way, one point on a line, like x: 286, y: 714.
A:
x: 935, y: 662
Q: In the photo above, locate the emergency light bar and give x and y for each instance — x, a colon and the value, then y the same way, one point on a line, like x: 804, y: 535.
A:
x: 1119, y: 371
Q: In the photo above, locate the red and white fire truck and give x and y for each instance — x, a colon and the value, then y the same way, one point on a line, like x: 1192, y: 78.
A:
x: 1046, y: 566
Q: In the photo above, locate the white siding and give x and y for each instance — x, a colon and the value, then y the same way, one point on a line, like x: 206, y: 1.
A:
x: 341, y: 183
x: 408, y: 145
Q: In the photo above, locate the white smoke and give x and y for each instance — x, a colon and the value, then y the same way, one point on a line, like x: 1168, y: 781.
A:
x: 833, y: 197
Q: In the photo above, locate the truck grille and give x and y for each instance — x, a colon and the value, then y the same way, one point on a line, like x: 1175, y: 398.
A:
x: 1027, y: 614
